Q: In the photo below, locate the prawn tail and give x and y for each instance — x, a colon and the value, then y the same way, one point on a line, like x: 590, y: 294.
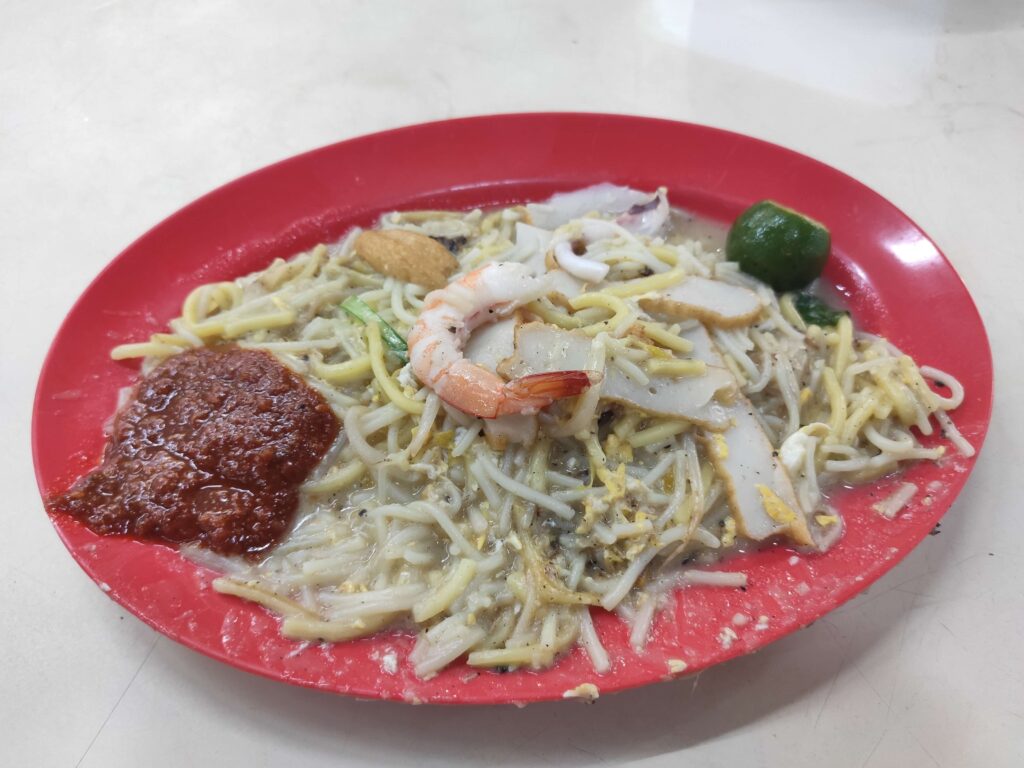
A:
x: 545, y: 388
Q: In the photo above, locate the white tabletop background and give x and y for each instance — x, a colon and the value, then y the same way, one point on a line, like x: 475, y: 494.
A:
x: 114, y: 114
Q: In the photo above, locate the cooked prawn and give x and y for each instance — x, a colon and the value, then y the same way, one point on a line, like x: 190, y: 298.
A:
x: 446, y: 321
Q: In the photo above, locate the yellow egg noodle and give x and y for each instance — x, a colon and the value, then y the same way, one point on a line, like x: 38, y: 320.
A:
x: 492, y: 538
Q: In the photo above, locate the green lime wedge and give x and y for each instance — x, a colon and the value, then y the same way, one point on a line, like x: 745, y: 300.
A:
x: 778, y: 245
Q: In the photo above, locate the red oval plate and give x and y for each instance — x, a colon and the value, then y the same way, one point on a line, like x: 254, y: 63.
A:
x: 893, y: 274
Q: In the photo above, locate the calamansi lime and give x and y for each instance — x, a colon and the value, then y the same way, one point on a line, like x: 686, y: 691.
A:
x: 778, y: 245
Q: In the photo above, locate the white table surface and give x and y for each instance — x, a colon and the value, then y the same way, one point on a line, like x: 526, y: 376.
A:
x: 115, y: 114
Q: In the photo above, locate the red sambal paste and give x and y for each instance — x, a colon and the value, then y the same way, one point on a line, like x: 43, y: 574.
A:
x: 211, y: 448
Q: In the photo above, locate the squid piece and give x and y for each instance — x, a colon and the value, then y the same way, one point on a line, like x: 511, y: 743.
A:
x: 599, y: 198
